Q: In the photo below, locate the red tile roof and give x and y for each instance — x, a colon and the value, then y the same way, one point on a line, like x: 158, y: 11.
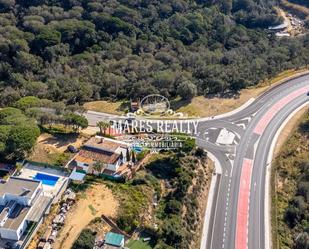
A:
x: 98, y: 155
x: 104, y: 144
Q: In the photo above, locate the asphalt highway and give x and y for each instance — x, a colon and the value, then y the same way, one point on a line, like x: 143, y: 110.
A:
x: 240, y: 209
x: 237, y: 213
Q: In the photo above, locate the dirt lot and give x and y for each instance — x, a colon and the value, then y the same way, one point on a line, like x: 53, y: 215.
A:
x: 215, y: 106
x: 105, y: 106
x: 48, y: 147
x: 97, y: 200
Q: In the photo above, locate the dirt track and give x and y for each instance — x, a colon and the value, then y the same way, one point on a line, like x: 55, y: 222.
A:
x: 93, y: 203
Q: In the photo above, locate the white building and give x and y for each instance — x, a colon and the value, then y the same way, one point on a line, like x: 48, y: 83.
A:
x: 21, y: 204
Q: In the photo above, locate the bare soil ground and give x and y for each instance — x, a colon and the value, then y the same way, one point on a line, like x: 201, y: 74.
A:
x: 217, y: 105
x: 289, y: 128
x: 202, y: 203
x: 48, y: 146
x: 90, y: 131
x: 96, y: 201
x: 105, y: 106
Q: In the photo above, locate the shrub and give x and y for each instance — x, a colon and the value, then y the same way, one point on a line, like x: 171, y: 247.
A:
x: 85, y: 240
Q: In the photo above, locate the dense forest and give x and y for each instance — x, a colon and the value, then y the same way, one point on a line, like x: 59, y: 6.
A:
x: 80, y: 50
x: 292, y: 191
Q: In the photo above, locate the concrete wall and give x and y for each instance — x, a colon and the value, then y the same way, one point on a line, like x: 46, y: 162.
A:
x: 124, y: 153
x: 61, y: 191
x: 83, y: 165
x: 13, y: 234
x: 113, y: 167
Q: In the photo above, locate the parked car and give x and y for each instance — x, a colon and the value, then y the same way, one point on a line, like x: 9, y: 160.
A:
x: 72, y: 149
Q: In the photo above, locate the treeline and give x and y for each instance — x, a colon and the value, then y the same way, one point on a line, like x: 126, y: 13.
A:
x: 292, y: 166
x: 21, y: 124
x: 76, y: 51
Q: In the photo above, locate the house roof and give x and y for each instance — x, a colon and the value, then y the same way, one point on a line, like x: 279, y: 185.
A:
x: 82, y: 159
x: 39, y: 208
x: 77, y: 176
x: 16, y: 217
x: 19, y: 186
x: 114, y: 239
x: 106, y: 144
x: 97, y: 156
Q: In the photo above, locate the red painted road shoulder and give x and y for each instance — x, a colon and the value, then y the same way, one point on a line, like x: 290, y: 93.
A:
x: 265, y: 120
x: 243, y: 205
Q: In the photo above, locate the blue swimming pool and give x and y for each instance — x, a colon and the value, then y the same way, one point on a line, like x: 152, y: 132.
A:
x: 46, y: 179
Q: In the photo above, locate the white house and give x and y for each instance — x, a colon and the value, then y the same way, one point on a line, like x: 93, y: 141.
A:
x: 21, y: 202
x: 108, y: 152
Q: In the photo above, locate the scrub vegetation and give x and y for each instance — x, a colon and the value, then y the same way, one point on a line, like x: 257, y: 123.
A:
x: 291, y: 197
x: 163, y: 198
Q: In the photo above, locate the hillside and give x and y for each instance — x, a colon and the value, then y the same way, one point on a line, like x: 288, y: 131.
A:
x: 301, y: 2
x: 291, y: 195
x: 79, y: 50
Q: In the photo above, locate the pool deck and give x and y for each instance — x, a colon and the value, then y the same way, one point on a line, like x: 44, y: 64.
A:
x: 29, y: 171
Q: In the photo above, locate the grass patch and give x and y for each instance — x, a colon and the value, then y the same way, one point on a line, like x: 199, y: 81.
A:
x: 59, y: 159
x: 80, y: 188
x: 117, y: 107
x: 138, y: 244
x: 93, y: 210
x: 58, y: 129
x: 133, y: 201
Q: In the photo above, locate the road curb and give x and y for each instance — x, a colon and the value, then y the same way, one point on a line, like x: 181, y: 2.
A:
x: 209, y: 207
x: 210, y: 200
x: 218, y: 168
x: 268, y: 229
x: 227, y: 114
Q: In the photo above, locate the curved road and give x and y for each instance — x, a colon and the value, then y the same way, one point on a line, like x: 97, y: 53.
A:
x: 238, y: 221
x: 237, y: 212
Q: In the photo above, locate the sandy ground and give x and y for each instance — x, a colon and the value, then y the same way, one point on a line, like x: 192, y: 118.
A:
x: 48, y: 144
x: 288, y: 129
x: 215, y: 106
x: 93, y: 203
x: 104, y: 106
x: 90, y: 131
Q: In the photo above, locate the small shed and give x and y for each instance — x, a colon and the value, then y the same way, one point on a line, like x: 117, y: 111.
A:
x: 77, y: 176
x: 114, y: 239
